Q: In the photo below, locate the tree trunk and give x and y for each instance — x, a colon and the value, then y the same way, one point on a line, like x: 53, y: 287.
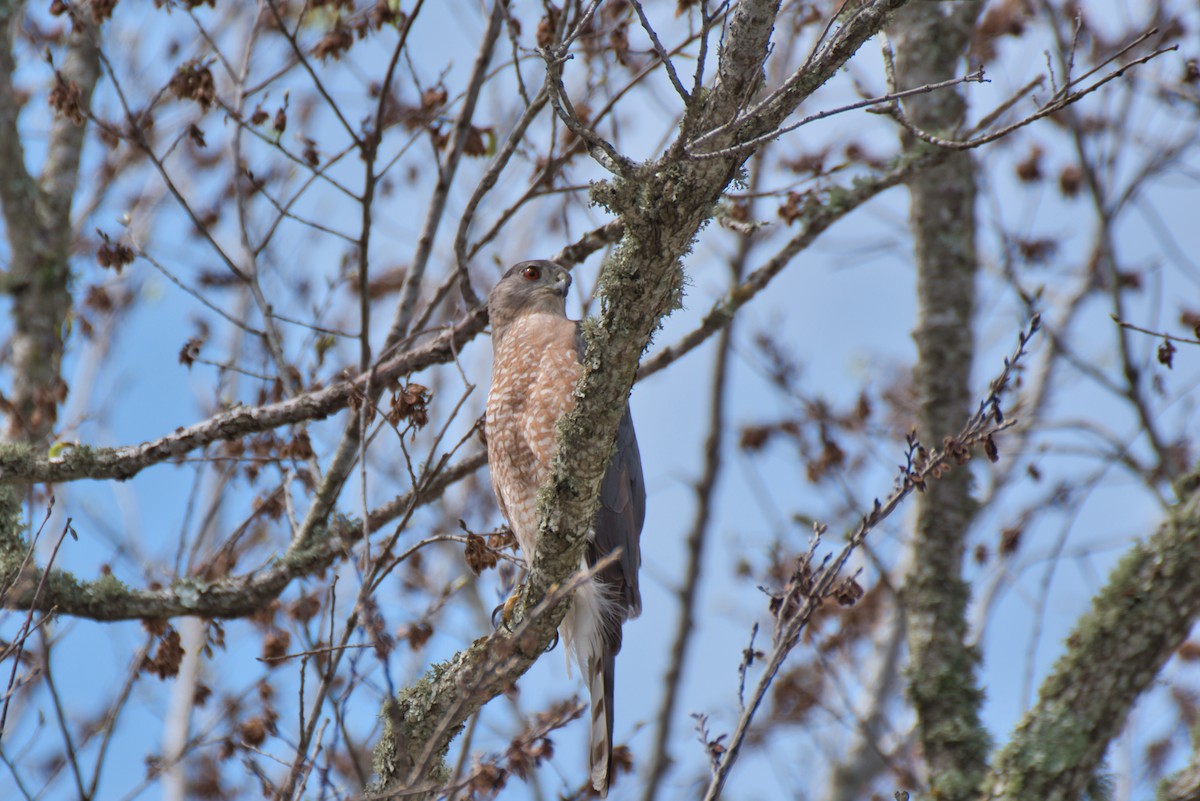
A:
x: 930, y: 44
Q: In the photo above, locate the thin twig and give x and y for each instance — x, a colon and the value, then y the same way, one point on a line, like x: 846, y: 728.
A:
x: 705, y: 491
x: 816, y: 222
x: 1156, y: 334
x: 890, y: 97
x: 662, y: 53
x: 486, y: 183
x: 302, y: 59
x: 1045, y: 111
x: 26, y: 627
x: 812, y: 586
x: 437, y: 203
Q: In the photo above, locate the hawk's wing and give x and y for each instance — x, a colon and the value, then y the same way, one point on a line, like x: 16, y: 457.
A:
x: 617, y: 525
x: 618, y: 521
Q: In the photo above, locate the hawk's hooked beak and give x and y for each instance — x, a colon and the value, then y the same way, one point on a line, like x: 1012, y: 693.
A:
x: 562, y: 285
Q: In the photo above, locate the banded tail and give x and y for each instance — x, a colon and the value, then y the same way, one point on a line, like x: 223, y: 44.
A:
x: 600, y: 751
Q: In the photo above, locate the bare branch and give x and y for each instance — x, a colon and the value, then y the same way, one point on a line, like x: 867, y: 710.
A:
x: 812, y: 586
x: 890, y: 97
x: 698, y: 535
x: 17, y: 464
x: 302, y: 60
x: 827, y: 207
x: 437, y: 203
x: 1056, y: 105
x: 599, y: 148
x: 486, y: 184
x: 1155, y: 334
x: 662, y: 52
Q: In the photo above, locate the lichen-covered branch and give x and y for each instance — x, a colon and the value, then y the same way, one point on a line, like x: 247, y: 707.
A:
x: 1116, y: 651
x: 420, y: 722
x: 823, y: 208
x: 19, y: 464
x: 108, y: 598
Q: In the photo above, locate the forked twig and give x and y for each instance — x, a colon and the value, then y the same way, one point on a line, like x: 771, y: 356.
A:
x: 810, y: 586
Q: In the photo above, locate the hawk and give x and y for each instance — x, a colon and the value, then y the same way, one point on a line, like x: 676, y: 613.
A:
x: 537, y: 364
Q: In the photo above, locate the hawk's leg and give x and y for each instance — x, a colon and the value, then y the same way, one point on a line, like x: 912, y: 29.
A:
x: 502, y: 616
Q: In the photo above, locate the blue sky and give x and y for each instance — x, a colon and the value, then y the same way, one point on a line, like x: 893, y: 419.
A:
x: 845, y: 306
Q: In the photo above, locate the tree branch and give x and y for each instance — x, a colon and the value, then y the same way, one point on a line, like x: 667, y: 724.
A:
x: 17, y: 463
x: 825, y: 208
x: 1136, y: 623
x: 812, y: 585
x: 698, y: 535
x: 22, y: 586
x: 437, y: 204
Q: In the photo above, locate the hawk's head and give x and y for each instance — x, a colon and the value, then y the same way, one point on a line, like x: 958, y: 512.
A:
x: 528, y: 287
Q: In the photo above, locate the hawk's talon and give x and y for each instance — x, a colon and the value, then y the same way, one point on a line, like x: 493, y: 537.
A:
x: 505, y: 612
x: 502, y: 616
x: 496, y: 624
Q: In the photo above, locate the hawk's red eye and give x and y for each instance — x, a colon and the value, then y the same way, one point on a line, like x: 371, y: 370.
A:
x: 532, y: 273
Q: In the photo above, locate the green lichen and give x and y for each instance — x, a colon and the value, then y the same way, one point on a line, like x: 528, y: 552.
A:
x: 107, y: 589
x: 1145, y: 609
x: 590, y: 329
x: 83, y: 457
x: 412, y: 707
x: 1187, y: 484
x: 383, y: 760
x: 604, y: 195
x: 16, y: 457
x: 13, y: 547
x: 839, y: 199
x: 12, y: 517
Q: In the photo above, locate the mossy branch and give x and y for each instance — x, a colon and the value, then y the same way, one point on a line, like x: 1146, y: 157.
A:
x: 20, y: 464
x: 107, y: 598
x: 1137, y: 621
